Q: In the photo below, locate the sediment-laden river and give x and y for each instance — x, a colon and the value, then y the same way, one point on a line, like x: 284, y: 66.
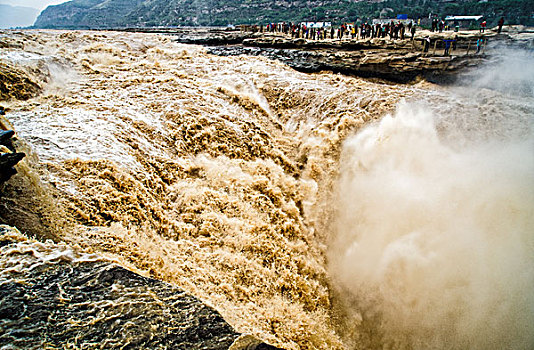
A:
x: 314, y: 211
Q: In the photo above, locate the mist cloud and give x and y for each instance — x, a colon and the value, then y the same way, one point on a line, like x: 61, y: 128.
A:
x: 434, y: 247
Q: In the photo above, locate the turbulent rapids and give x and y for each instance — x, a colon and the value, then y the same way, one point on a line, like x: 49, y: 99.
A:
x: 313, y: 211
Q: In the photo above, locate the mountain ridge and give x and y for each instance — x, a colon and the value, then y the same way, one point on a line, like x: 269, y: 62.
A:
x: 105, y: 14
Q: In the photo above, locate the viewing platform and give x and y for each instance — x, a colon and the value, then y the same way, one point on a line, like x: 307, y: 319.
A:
x: 435, y: 56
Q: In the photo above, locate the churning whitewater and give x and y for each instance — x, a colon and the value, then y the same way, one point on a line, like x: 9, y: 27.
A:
x: 314, y: 211
x: 434, y: 244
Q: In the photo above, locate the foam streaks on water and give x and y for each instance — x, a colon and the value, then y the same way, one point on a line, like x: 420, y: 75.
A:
x: 200, y: 170
x: 217, y: 174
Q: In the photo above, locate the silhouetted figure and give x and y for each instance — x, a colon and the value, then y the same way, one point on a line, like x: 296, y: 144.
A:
x: 426, y: 44
x: 500, y: 24
x: 479, y: 44
x: 483, y: 26
x: 447, y: 46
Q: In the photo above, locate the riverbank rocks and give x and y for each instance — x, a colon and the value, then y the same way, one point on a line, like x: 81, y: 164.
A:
x: 394, y: 65
x: 394, y: 60
x: 53, y: 296
x: 9, y: 157
x: 397, y: 60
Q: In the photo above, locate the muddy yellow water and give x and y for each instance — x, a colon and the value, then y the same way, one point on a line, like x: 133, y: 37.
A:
x: 222, y: 175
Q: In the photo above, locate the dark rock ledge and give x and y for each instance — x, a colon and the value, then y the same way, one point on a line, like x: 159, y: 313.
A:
x: 399, y: 61
x: 54, y: 297
x: 396, y: 60
x: 9, y: 157
x: 396, y: 66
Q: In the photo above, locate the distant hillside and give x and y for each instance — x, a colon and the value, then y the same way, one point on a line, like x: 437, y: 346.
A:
x: 17, y: 16
x: 87, y: 14
x: 142, y: 13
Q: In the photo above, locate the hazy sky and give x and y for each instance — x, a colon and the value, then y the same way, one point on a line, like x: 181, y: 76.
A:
x: 38, y: 4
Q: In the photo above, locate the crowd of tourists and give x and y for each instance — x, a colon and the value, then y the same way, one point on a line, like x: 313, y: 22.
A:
x: 438, y: 25
x: 393, y: 30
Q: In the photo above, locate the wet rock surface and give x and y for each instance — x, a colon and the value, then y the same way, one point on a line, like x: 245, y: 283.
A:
x: 9, y: 157
x: 398, y: 66
x: 395, y: 60
x: 52, y: 296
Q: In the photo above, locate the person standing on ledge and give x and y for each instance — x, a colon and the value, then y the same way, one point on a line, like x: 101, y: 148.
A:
x: 426, y: 44
x: 479, y: 44
x: 483, y: 26
x: 447, y: 46
x: 501, y: 23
